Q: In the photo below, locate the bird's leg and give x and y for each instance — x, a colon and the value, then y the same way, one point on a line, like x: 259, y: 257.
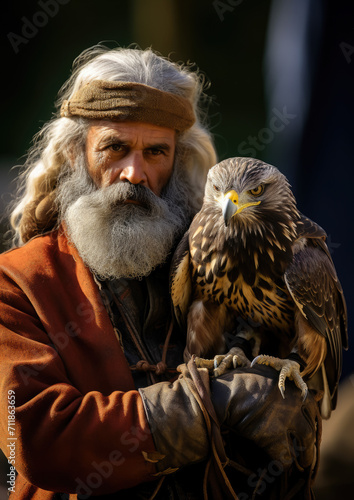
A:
x: 234, y: 358
x: 288, y: 369
x: 209, y: 323
x: 245, y: 346
x: 204, y: 363
x: 221, y: 363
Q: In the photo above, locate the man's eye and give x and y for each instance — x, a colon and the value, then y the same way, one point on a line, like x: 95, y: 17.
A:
x: 116, y: 147
x: 155, y: 151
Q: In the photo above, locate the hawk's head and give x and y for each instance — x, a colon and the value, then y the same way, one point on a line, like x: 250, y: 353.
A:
x: 249, y: 193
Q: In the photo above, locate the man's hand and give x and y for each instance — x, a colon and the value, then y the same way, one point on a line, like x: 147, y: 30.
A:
x: 248, y: 401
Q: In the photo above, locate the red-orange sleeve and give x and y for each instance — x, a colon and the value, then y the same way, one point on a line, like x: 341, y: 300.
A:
x: 64, y: 438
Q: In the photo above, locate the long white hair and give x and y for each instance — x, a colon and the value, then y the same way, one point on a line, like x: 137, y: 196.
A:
x: 61, y: 139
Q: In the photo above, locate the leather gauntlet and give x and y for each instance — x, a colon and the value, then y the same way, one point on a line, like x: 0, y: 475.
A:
x: 177, y: 423
x: 275, y: 440
x: 248, y: 401
x: 185, y: 419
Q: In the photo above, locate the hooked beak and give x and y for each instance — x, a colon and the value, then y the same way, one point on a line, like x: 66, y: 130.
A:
x: 231, y: 205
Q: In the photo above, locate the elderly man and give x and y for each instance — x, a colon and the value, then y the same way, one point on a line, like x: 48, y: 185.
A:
x: 91, y: 400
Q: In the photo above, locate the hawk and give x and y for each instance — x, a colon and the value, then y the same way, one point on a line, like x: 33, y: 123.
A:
x: 250, y: 255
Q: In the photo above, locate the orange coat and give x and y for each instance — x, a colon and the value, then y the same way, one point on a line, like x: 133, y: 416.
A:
x: 80, y: 426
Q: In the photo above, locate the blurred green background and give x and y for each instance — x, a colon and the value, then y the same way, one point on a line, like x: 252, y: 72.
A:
x: 290, y: 59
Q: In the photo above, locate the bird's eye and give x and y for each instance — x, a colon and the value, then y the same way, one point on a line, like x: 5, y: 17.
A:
x: 257, y: 191
x: 216, y: 188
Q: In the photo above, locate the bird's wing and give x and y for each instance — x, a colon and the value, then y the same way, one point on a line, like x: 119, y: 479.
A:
x: 180, y: 281
x: 313, y: 283
x: 307, y: 228
x: 312, y: 231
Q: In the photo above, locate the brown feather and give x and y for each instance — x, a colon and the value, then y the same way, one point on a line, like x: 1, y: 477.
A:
x: 312, y: 346
x: 206, y: 323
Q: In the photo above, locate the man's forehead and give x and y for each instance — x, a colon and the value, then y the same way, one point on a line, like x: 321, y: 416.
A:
x: 104, y: 129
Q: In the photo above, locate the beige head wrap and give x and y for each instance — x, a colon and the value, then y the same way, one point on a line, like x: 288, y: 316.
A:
x: 101, y: 99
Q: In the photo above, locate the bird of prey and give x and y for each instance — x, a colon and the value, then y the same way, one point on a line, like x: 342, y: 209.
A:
x: 250, y: 254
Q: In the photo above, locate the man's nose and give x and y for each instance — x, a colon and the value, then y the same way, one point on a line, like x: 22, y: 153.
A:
x: 133, y: 169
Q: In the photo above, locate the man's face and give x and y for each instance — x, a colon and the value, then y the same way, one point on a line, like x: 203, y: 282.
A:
x: 126, y: 199
x: 139, y: 153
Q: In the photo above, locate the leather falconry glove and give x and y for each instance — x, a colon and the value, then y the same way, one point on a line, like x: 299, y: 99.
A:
x: 175, y: 416
x: 247, y: 401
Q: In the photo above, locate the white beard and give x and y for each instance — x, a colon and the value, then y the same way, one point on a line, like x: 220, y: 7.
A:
x: 117, y: 239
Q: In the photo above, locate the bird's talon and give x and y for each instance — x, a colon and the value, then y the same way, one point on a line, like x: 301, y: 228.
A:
x: 204, y: 363
x: 218, y: 359
x: 261, y: 360
x: 233, y: 359
x: 288, y: 369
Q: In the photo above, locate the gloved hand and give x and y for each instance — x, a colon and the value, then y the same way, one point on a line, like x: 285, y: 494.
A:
x: 248, y: 401
x: 176, y: 421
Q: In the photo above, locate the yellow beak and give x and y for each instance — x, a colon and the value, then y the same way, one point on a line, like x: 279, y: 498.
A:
x: 231, y: 205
